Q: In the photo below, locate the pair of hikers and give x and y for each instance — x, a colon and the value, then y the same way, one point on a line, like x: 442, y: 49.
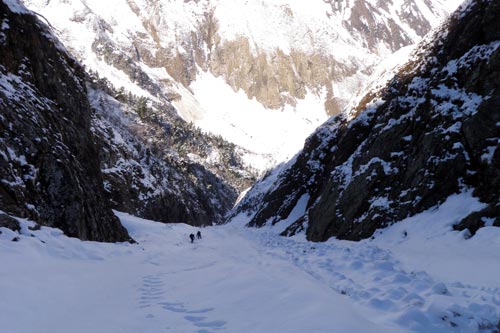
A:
x: 198, y: 235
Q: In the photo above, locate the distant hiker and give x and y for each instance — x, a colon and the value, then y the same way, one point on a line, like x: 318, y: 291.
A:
x: 198, y: 234
x: 192, y: 237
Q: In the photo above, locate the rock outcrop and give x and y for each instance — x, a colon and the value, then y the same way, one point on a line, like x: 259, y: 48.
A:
x: 49, y: 166
x: 432, y: 132
x: 277, y: 77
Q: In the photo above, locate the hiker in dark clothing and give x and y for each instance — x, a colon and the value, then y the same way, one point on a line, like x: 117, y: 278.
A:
x: 192, y: 237
x: 198, y: 234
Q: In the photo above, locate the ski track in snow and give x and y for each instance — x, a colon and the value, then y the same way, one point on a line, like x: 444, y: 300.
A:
x: 232, y: 280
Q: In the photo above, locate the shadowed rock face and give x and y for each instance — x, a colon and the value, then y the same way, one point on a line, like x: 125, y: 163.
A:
x: 49, y: 166
x: 432, y: 132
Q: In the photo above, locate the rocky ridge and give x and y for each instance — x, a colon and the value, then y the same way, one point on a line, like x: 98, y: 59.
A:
x: 433, y: 131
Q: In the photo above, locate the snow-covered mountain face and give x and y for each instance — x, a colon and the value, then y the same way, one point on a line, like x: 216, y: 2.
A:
x: 263, y: 74
x: 433, y: 131
x: 142, y: 62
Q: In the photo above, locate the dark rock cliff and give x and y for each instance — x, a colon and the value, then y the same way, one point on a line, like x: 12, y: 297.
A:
x: 432, y: 132
x: 49, y: 166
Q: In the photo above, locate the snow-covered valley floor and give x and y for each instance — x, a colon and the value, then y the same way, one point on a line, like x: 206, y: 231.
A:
x: 246, y: 280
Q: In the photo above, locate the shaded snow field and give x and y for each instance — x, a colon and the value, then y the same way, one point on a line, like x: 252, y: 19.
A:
x: 416, y: 276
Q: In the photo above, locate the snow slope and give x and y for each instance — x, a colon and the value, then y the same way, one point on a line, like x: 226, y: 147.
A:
x: 252, y: 280
x: 279, y: 133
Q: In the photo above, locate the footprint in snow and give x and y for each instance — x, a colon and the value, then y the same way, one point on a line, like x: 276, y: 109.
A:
x: 202, y: 322
x: 174, y: 307
x: 194, y: 316
x: 179, y: 307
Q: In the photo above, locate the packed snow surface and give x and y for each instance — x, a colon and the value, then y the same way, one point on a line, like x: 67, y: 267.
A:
x: 416, y: 276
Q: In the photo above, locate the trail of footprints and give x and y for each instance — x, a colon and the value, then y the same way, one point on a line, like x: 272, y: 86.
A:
x: 371, y: 276
x: 152, y: 295
x: 151, y: 291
